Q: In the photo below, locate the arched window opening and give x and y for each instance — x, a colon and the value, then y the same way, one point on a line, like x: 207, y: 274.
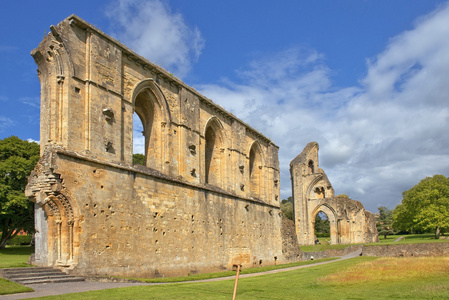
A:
x: 311, y: 167
x: 322, y: 229
x: 320, y: 193
x: 138, y: 141
x: 213, y: 157
x: 145, y: 141
x: 255, y: 166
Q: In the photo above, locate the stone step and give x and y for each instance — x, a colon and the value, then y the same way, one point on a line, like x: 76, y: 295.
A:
x: 27, y: 270
x: 38, y: 275
x: 21, y: 274
x: 51, y: 280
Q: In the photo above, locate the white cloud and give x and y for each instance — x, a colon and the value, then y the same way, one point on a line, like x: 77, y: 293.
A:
x: 30, y: 140
x: 5, y: 123
x: 377, y: 139
x: 34, y: 102
x: 151, y: 29
x: 138, y: 138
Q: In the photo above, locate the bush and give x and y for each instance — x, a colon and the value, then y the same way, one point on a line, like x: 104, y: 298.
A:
x: 326, y: 234
x: 20, y: 240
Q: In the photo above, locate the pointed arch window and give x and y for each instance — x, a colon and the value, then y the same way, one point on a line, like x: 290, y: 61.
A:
x: 214, y: 160
x: 311, y: 167
x: 146, y: 118
x: 255, y: 170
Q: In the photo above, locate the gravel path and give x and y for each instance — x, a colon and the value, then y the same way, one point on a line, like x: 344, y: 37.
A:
x: 49, y: 289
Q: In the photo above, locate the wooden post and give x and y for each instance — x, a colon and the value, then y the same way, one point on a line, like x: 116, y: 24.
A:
x: 236, y: 281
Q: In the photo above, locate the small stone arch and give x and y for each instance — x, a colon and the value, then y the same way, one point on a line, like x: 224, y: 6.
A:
x: 63, y: 230
x: 332, y: 217
x: 150, y: 105
x: 214, y: 148
x: 256, y: 163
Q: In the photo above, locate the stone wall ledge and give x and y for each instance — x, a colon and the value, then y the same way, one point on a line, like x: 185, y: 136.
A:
x: 156, y: 174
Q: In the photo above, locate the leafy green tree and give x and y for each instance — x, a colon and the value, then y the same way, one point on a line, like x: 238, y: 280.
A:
x: 17, y: 159
x: 139, y: 159
x: 385, y: 221
x: 321, y: 223
x: 425, y: 206
x: 287, y: 208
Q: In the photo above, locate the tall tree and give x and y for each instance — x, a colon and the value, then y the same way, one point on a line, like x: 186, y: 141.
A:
x: 425, y: 206
x: 384, y: 223
x: 17, y: 159
x: 321, y: 223
x: 287, y: 208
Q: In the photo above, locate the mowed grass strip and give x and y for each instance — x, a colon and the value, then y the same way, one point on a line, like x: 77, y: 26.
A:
x: 390, y: 240
x: 9, y: 287
x: 15, y: 256
x: 231, y: 273
x: 313, y: 282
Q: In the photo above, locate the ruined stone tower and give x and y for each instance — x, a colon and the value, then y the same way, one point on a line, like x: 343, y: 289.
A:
x: 313, y: 193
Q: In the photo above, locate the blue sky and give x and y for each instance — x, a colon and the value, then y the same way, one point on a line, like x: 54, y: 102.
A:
x: 368, y: 80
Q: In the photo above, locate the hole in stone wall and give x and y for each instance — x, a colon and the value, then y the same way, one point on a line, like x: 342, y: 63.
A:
x: 192, y: 149
x: 77, y: 90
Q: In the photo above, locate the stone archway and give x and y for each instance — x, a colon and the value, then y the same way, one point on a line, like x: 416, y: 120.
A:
x: 56, y: 221
x: 313, y: 192
x: 332, y: 217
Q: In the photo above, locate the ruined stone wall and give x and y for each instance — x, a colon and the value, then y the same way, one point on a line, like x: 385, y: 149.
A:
x: 430, y: 249
x: 313, y: 193
x: 207, y: 197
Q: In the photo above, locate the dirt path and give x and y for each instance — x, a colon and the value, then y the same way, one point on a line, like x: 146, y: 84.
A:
x: 49, y: 289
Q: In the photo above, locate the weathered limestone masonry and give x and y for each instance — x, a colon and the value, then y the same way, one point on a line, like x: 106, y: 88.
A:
x: 208, y: 197
x: 313, y: 192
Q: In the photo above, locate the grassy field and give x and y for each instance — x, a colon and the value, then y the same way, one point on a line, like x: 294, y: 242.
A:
x: 358, y: 278
x: 390, y: 240
x: 8, y: 287
x: 231, y: 273
x: 15, y: 256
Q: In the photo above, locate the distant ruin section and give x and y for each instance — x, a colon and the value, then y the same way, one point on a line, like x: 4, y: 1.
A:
x: 207, y: 197
x: 313, y: 193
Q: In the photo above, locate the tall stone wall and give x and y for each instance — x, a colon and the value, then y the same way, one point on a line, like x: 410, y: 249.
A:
x: 207, y: 197
x: 313, y: 193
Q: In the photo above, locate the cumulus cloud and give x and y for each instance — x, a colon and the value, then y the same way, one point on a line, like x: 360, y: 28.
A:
x: 30, y: 140
x: 151, y: 29
x: 376, y: 139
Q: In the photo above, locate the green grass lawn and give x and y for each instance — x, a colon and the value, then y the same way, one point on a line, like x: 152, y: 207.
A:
x: 390, y: 240
x: 309, y: 283
x: 8, y: 287
x: 15, y: 256
x: 409, y: 239
x: 231, y: 273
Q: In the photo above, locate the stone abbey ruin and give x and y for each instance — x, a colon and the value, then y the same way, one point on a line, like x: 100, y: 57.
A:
x: 208, y: 197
